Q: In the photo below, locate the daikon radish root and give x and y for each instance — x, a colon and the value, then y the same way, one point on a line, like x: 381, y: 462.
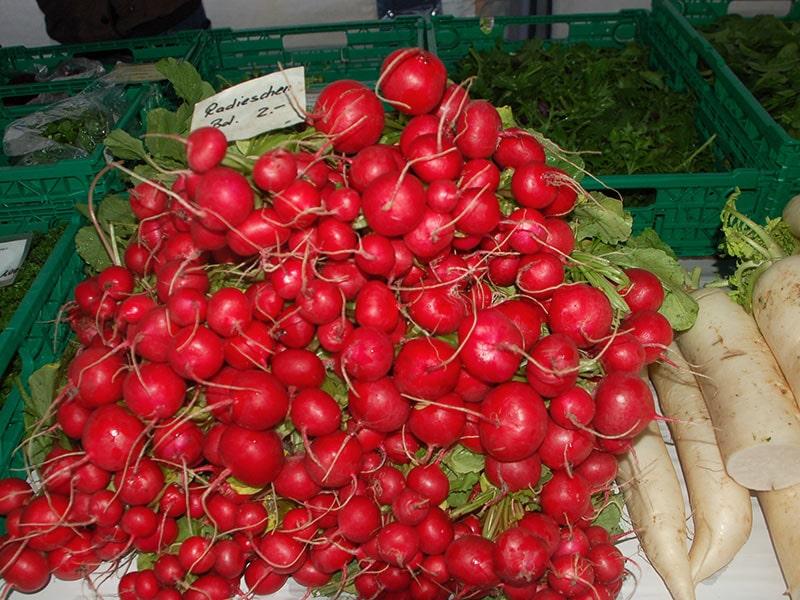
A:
x: 722, y: 513
x: 776, y: 308
x: 655, y: 505
x: 755, y: 417
x: 791, y: 214
x: 781, y: 509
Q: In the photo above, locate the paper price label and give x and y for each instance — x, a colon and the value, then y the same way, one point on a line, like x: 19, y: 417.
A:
x: 256, y: 106
x: 12, y: 254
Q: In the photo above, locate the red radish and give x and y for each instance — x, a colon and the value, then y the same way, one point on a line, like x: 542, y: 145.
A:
x: 358, y: 519
x: 176, y: 275
x: 565, y: 448
x: 153, y: 391
x: 644, y: 292
x: 350, y: 113
x: 565, y: 498
x: 417, y: 127
x: 187, y: 306
x: 139, y: 482
x: 573, y: 541
x: 229, y: 559
x: 514, y: 423
x: 43, y: 522
x: 294, y: 482
x: 531, y: 184
x: 251, y: 348
x: 478, y: 129
x: 599, y: 469
x: 453, y: 101
x: 560, y: 239
x: 315, y: 413
x: 112, y: 438
x: 480, y: 173
x: 282, y: 552
x: 607, y: 562
x: 624, y: 353
x: 400, y: 447
x: 435, y: 531
x: 147, y: 200
x: 298, y: 205
x: 397, y: 543
x: 205, y: 148
x: 478, y: 212
x: 442, y: 196
x: 259, y: 232
x: 178, y: 442
x: 116, y: 282
x: 623, y: 405
x: 438, y: 309
x: 368, y: 354
x: 196, y: 353
x: 378, y: 405
x: 292, y: 330
x: 310, y: 168
x: 470, y: 560
x: 566, y: 197
x: 333, y: 335
x: 266, y: 302
x: 376, y: 306
x: 98, y: 377
x: 426, y: 368
x: 553, y: 366
x: 653, y: 330
x: 336, y: 459
x: 206, y: 239
x: 274, y: 171
x: 24, y: 569
x: 520, y: 557
x: 288, y: 278
x: 527, y: 230
x: 516, y: 148
x: 14, y: 493
x: 439, y: 424
x: 540, y: 275
x: 319, y: 302
x: 570, y: 575
x: 430, y: 481
x: 527, y: 316
x: 582, y: 313
x: 225, y: 197
x: 138, y: 259
x: 431, y: 236
x: 434, y: 158
x: 336, y: 239
x: 253, y: 457
x: 412, y: 80
x: 490, y: 346
x: 514, y: 476
x: 376, y: 256
x: 572, y: 409
x: 393, y: 206
x: 372, y: 162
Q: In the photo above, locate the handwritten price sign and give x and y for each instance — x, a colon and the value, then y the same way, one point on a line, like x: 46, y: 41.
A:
x: 253, y: 107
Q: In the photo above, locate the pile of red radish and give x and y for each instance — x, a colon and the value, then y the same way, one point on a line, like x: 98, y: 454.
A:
x: 200, y: 424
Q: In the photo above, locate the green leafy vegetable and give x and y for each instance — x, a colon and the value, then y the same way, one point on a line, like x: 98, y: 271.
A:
x: 605, y: 102
x: 602, y: 218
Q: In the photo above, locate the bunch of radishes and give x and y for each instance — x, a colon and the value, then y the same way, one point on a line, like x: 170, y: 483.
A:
x: 274, y: 383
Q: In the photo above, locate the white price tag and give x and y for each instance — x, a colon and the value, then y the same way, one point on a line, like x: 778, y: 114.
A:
x: 255, y: 106
x: 12, y: 254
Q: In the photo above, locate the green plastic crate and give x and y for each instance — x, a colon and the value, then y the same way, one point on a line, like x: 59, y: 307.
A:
x: 34, y: 333
x: 347, y: 50
x: 686, y: 207
x: 760, y: 140
x: 19, y: 59
x: 706, y: 12
x: 41, y: 192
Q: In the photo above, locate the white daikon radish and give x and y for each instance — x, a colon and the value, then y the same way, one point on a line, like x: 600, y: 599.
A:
x: 791, y: 214
x: 776, y: 308
x: 722, y: 513
x: 755, y: 417
x: 781, y: 510
x: 655, y: 505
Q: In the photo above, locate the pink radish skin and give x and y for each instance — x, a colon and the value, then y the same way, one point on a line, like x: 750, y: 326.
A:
x: 205, y: 149
x: 623, y: 405
x: 582, y: 313
x: 425, y: 368
x: 392, y: 206
x: 514, y: 476
x: 515, y: 422
x: 226, y: 197
x: 412, y: 80
x: 274, y: 171
x: 490, y: 347
x: 351, y: 114
x: 516, y: 148
x: 478, y: 130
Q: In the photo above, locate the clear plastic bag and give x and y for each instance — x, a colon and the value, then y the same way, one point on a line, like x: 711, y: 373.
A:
x: 72, y: 68
x: 67, y: 129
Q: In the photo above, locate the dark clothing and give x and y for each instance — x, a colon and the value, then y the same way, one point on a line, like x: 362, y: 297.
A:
x: 76, y: 21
